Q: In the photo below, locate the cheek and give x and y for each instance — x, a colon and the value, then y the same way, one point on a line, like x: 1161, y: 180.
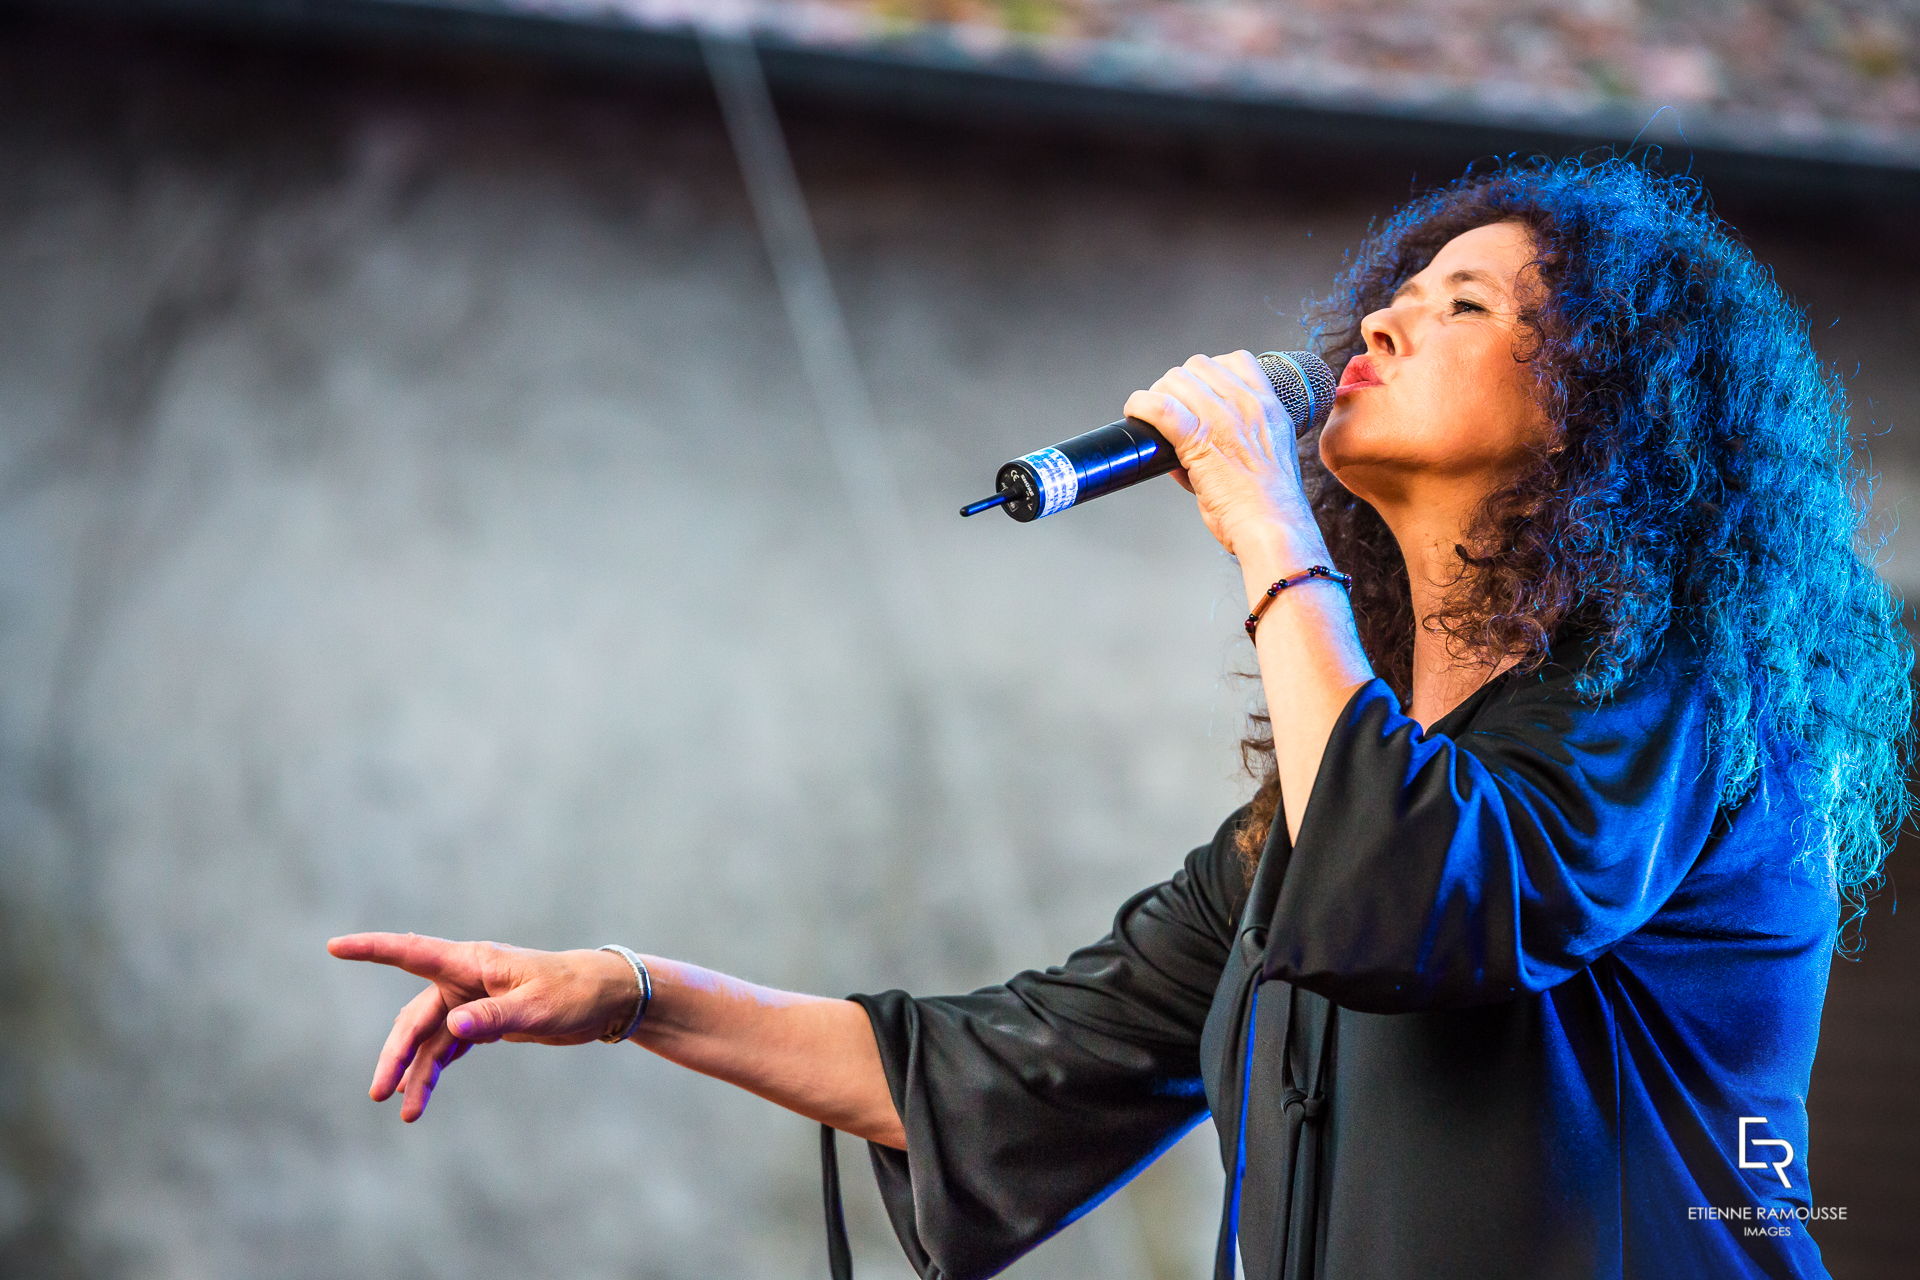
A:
x: 1524, y: 407
x: 1496, y: 410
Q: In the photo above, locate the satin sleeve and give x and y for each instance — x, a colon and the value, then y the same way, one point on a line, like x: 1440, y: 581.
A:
x: 1027, y: 1103
x: 1436, y: 872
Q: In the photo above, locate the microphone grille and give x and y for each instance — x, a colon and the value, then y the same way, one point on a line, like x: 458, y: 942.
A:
x: 1304, y: 384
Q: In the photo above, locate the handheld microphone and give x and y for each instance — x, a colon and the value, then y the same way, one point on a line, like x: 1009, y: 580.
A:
x: 1126, y: 452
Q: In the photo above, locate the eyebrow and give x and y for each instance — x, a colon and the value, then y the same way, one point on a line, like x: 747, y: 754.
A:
x: 1467, y: 275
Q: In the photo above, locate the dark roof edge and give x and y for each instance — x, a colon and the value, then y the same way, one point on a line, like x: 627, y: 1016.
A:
x: 1006, y: 95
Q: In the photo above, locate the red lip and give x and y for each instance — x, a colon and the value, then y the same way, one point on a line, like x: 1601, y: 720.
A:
x: 1358, y: 373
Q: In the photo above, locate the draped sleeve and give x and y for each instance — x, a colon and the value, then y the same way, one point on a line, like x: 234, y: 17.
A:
x: 1026, y: 1104
x: 1436, y: 872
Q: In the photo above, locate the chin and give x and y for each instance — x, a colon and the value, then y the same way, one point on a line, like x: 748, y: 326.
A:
x: 1371, y: 475
x: 1347, y: 446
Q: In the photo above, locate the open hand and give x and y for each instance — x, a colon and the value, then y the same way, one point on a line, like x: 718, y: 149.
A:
x: 480, y: 992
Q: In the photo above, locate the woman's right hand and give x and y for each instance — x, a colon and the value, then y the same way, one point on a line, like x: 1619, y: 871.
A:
x: 484, y: 991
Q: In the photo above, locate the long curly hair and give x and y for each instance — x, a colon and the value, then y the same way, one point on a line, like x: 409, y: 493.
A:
x: 1702, y: 474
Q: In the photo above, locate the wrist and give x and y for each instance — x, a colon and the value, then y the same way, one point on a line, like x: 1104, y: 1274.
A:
x: 1278, y: 523
x: 1261, y: 600
x: 625, y: 1001
x: 1276, y: 554
x: 670, y: 1011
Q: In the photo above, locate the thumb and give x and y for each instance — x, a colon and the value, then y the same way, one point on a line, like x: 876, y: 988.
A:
x: 480, y: 1021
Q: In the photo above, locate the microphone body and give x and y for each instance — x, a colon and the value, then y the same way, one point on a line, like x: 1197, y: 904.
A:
x: 1124, y: 453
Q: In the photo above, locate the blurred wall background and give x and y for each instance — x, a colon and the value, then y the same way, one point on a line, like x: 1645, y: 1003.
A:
x: 416, y: 517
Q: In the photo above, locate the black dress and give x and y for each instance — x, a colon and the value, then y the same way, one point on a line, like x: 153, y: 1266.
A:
x: 1522, y: 1001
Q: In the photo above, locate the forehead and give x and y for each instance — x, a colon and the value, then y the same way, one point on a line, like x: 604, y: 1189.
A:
x: 1497, y: 251
x: 1487, y: 256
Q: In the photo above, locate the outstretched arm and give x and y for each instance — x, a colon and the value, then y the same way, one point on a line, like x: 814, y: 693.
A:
x: 810, y: 1054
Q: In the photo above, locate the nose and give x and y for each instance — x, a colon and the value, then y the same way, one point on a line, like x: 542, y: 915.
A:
x: 1382, y: 332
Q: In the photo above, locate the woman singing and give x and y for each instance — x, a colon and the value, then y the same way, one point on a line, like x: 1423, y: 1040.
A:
x: 1584, y: 745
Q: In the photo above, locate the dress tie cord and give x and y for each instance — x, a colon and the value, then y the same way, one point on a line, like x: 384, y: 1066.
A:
x: 1303, y: 1110
x: 1301, y: 1105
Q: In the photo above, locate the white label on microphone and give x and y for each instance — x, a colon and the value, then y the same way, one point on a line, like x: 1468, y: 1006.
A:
x: 1059, y: 483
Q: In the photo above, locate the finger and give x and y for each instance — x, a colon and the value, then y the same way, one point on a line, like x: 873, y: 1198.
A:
x: 486, y: 1020
x: 1226, y: 389
x: 1243, y: 370
x: 1245, y: 366
x: 418, y: 954
x: 1166, y: 414
x: 423, y: 1076
x: 1219, y: 424
x: 1179, y: 475
x: 416, y: 1020
x: 1233, y: 419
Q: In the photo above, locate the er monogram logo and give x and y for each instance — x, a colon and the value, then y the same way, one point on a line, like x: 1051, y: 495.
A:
x: 1778, y: 1166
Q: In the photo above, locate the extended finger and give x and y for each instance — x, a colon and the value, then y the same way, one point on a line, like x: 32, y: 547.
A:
x: 416, y: 1020
x: 423, y: 1075
x: 417, y: 953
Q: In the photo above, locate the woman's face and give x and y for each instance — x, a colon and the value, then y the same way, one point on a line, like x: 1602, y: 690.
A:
x: 1449, y: 406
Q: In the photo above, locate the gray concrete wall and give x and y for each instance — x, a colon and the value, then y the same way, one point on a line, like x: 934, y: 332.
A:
x: 415, y: 517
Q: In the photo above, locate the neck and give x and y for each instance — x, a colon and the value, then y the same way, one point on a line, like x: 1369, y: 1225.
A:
x: 1441, y: 681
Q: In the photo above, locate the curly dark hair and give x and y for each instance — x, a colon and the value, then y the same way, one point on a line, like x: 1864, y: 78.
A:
x: 1702, y: 475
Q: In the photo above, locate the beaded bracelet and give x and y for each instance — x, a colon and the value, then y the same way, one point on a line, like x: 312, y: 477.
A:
x: 1311, y: 571
x: 645, y: 981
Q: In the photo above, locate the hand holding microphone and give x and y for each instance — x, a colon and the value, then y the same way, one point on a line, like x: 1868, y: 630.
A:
x: 1225, y: 426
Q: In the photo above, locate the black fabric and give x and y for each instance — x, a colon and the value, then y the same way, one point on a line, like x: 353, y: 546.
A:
x: 839, y: 1256
x: 1104, y: 1048
x: 1499, y: 1013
